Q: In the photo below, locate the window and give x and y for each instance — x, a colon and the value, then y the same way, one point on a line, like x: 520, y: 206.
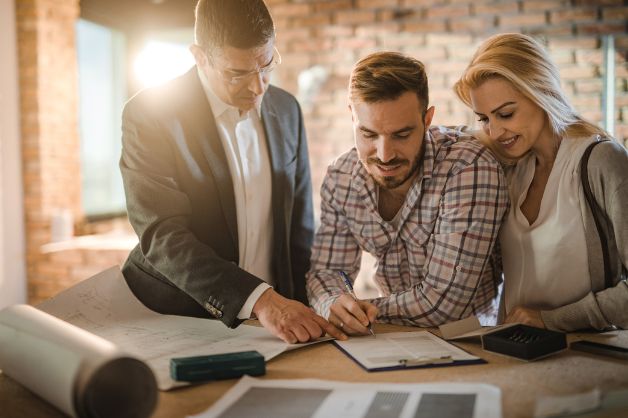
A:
x: 103, y: 89
x: 102, y: 92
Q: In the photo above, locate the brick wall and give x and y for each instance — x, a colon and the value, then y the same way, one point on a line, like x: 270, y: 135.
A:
x: 331, y: 35
x: 50, y: 143
x: 325, y: 37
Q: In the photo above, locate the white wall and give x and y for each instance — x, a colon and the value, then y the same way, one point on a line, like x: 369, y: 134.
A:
x: 12, y: 260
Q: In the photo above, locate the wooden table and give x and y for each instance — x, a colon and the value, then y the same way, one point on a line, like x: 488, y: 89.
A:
x: 521, y: 383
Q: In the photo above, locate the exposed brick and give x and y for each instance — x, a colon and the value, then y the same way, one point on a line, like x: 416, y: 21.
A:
x: 449, y: 11
x: 495, y: 8
x: 570, y: 73
x: 460, y: 53
x: 588, y: 86
x: 406, y: 39
x: 370, y: 4
x: 67, y: 258
x: 430, y: 26
x: 475, y: 25
x: 565, y: 29
x: 621, y: 100
x: 447, y: 39
x: 386, y: 16
x: 573, y: 15
x: 425, y: 55
x: 587, y: 101
x: 291, y: 9
x: 356, y: 17
x: 563, y: 56
x: 331, y: 33
x: 295, y: 33
x: 585, y: 3
x: 601, y: 29
x: 332, y: 5
x: 314, y: 20
x: 589, y: 56
x: 334, y: 31
x: 575, y: 43
x: 520, y: 20
x: 426, y: 3
x: 377, y: 30
x: 309, y: 45
x: 544, y: 5
x: 615, y: 13
x: 355, y: 43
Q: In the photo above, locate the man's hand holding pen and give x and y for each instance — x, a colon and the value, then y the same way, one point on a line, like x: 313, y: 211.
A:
x: 351, y: 315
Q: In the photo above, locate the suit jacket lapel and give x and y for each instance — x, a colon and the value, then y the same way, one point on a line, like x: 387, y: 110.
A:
x: 210, y: 143
x: 281, y: 191
x: 274, y: 136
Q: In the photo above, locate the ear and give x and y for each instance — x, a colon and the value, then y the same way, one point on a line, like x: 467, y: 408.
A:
x: 199, y: 56
x: 429, y: 114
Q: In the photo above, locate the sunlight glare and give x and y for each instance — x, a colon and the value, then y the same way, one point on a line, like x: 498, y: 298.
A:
x: 159, y: 62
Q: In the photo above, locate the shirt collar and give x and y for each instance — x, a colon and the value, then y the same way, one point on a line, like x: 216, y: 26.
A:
x: 218, y: 106
x: 429, y: 154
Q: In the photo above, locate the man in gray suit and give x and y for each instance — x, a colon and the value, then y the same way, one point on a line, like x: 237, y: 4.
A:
x: 217, y: 180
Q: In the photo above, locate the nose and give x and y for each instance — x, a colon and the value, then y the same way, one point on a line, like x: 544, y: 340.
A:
x: 493, y: 129
x: 257, y: 84
x: 385, y: 151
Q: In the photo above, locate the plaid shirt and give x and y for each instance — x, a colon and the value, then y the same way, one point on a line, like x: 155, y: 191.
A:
x: 437, y: 266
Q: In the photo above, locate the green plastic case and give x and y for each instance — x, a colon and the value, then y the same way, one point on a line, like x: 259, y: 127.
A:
x: 217, y: 366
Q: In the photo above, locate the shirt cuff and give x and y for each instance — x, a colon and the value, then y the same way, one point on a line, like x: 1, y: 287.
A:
x: 247, y: 308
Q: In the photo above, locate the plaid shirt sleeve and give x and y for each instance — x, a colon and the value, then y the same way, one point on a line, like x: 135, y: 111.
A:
x: 335, y: 249
x: 455, y: 279
x: 457, y: 275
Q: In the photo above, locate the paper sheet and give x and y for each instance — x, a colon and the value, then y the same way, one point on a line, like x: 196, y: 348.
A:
x: 559, y: 406
x: 321, y: 399
x: 104, y: 305
x: 388, y: 349
x: 78, y: 372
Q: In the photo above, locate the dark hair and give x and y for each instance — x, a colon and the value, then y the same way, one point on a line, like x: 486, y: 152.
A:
x: 240, y: 24
x: 386, y: 76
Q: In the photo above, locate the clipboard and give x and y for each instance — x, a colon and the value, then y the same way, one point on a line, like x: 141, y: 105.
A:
x: 404, y: 350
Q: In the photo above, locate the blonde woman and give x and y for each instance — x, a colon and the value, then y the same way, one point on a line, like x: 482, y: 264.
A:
x: 555, y: 272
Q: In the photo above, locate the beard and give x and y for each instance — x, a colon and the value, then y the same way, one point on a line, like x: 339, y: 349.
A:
x: 392, y: 182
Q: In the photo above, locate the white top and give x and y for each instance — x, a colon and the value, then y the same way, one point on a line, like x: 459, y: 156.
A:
x: 545, y: 264
x: 244, y: 142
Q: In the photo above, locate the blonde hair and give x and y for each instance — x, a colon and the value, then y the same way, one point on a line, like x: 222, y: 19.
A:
x: 524, y: 62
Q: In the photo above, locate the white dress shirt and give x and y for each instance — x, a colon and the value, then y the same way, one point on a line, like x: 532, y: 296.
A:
x: 244, y: 142
x: 545, y: 263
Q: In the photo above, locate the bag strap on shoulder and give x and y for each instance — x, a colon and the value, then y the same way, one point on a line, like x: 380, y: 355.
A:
x: 598, y: 214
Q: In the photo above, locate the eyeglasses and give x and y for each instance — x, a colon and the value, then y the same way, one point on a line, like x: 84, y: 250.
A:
x: 236, y: 77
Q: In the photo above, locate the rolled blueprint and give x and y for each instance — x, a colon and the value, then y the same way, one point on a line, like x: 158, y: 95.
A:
x: 80, y: 373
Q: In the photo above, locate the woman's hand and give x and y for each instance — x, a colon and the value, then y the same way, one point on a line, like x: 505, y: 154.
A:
x: 525, y: 316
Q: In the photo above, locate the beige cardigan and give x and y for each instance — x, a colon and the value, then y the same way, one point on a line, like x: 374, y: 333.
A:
x: 601, y: 308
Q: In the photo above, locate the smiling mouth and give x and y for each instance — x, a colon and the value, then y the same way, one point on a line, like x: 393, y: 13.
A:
x: 509, y: 141
x: 388, y: 168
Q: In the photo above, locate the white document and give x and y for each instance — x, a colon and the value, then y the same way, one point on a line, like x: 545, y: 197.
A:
x: 311, y: 398
x: 79, y: 373
x: 560, y: 406
x: 402, y: 349
x: 104, y: 305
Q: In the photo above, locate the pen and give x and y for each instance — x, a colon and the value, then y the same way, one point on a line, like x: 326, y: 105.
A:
x: 349, y: 287
x: 422, y: 361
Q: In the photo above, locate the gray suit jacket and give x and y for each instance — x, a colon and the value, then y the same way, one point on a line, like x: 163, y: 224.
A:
x: 181, y: 203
